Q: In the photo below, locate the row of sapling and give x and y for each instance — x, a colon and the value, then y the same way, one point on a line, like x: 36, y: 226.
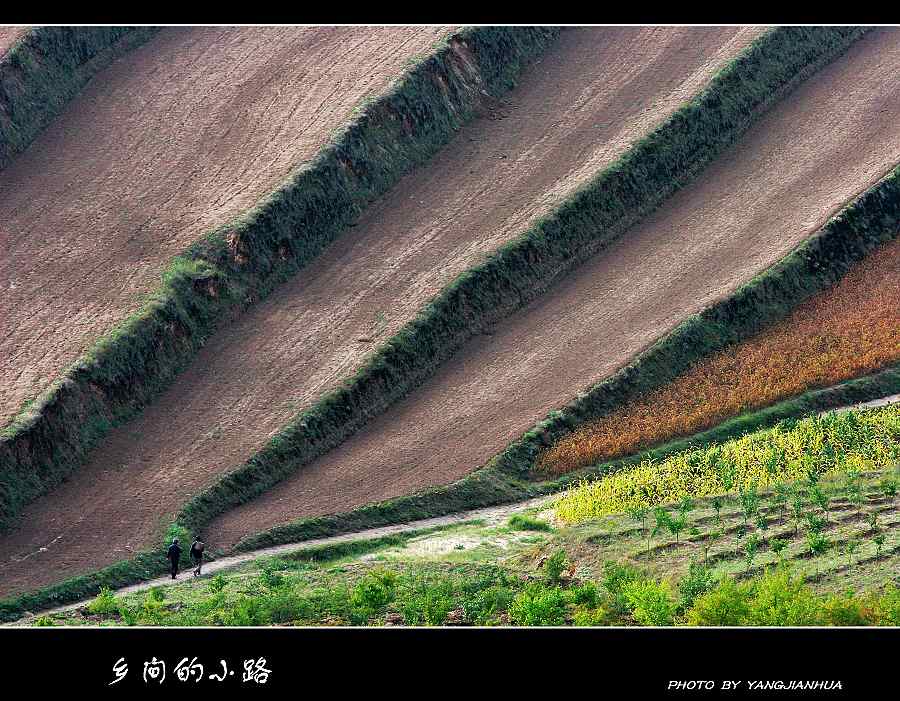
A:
x: 785, y: 496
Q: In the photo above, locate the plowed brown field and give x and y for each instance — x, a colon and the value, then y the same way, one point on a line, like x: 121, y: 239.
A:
x: 8, y: 36
x: 174, y: 138
x: 832, y: 138
x: 593, y: 93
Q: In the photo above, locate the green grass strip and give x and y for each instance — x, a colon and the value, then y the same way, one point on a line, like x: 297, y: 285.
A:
x: 619, y: 196
x: 46, y: 68
x: 241, y: 262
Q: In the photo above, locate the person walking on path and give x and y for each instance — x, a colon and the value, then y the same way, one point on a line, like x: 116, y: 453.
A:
x: 174, y: 554
x: 197, y: 554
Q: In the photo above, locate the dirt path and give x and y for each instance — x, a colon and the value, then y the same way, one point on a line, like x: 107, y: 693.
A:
x: 8, y: 36
x: 831, y: 139
x: 493, y: 515
x: 593, y: 94
x: 174, y: 138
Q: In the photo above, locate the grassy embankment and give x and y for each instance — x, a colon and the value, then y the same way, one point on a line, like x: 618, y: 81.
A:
x: 46, y: 68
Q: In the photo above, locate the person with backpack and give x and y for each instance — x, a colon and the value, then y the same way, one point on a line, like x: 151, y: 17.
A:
x: 197, y: 554
x: 174, y: 554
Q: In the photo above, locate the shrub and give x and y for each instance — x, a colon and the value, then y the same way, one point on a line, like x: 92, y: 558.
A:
x: 844, y: 610
x: 651, y: 603
x: 246, y: 611
x: 697, y: 581
x: 584, y: 595
x: 583, y: 616
x: 270, y: 574
x: 887, y: 607
x: 128, y: 615
x: 104, y: 603
x: 373, y: 592
x: 615, y: 578
x: 522, y: 522
x: 286, y: 606
x: 779, y: 599
x: 538, y: 605
x: 429, y: 604
x: 485, y: 607
x: 555, y: 565
x: 218, y: 583
x: 728, y: 604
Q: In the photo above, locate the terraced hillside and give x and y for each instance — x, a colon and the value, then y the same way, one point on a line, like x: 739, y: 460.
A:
x: 829, y: 140
x: 591, y: 96
x: 846, y: 331
x: 173, y: 139
x: 820, y: 548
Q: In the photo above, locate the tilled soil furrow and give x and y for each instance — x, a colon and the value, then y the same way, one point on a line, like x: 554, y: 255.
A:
x: 831, y: 138
x: 9, y: 36
x: 566, y: 120
x: 139, y: 166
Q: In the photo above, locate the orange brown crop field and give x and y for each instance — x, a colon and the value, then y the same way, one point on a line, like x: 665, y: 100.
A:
x: 849, y: 330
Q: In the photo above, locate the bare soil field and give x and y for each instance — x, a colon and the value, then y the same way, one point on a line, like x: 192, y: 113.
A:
x: 590, y: 97
x: 8, y: 36
x: 831, y: 139
x: 173, y: 139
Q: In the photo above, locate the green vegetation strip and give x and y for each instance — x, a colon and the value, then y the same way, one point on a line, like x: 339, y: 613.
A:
x: 569, y: 576
x: 483, y: 488
x: 633, y: 186
x: 655, y: 168
x: 46, y: 68
x: 244, y: 260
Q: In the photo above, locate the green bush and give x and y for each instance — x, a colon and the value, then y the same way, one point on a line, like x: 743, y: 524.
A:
x: 104, y: 603
x: 728, y: 604
x: 780, y: 599
x: 584, y: 616
x: 698, y: 580
x: 555, y: 565
x: 844, y: 610
x: 428, y: 602
x: 372, y: 593
x: 245, y: 611
x: 538, y: 605
x: 485, y: 607
x: 584, y: 595
x: 522, y: 522
x: 616, y: 577
x: 651, y: 603
x: 218, y: 583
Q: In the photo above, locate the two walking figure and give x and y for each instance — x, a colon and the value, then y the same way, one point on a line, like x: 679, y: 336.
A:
x: 174, y: 554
